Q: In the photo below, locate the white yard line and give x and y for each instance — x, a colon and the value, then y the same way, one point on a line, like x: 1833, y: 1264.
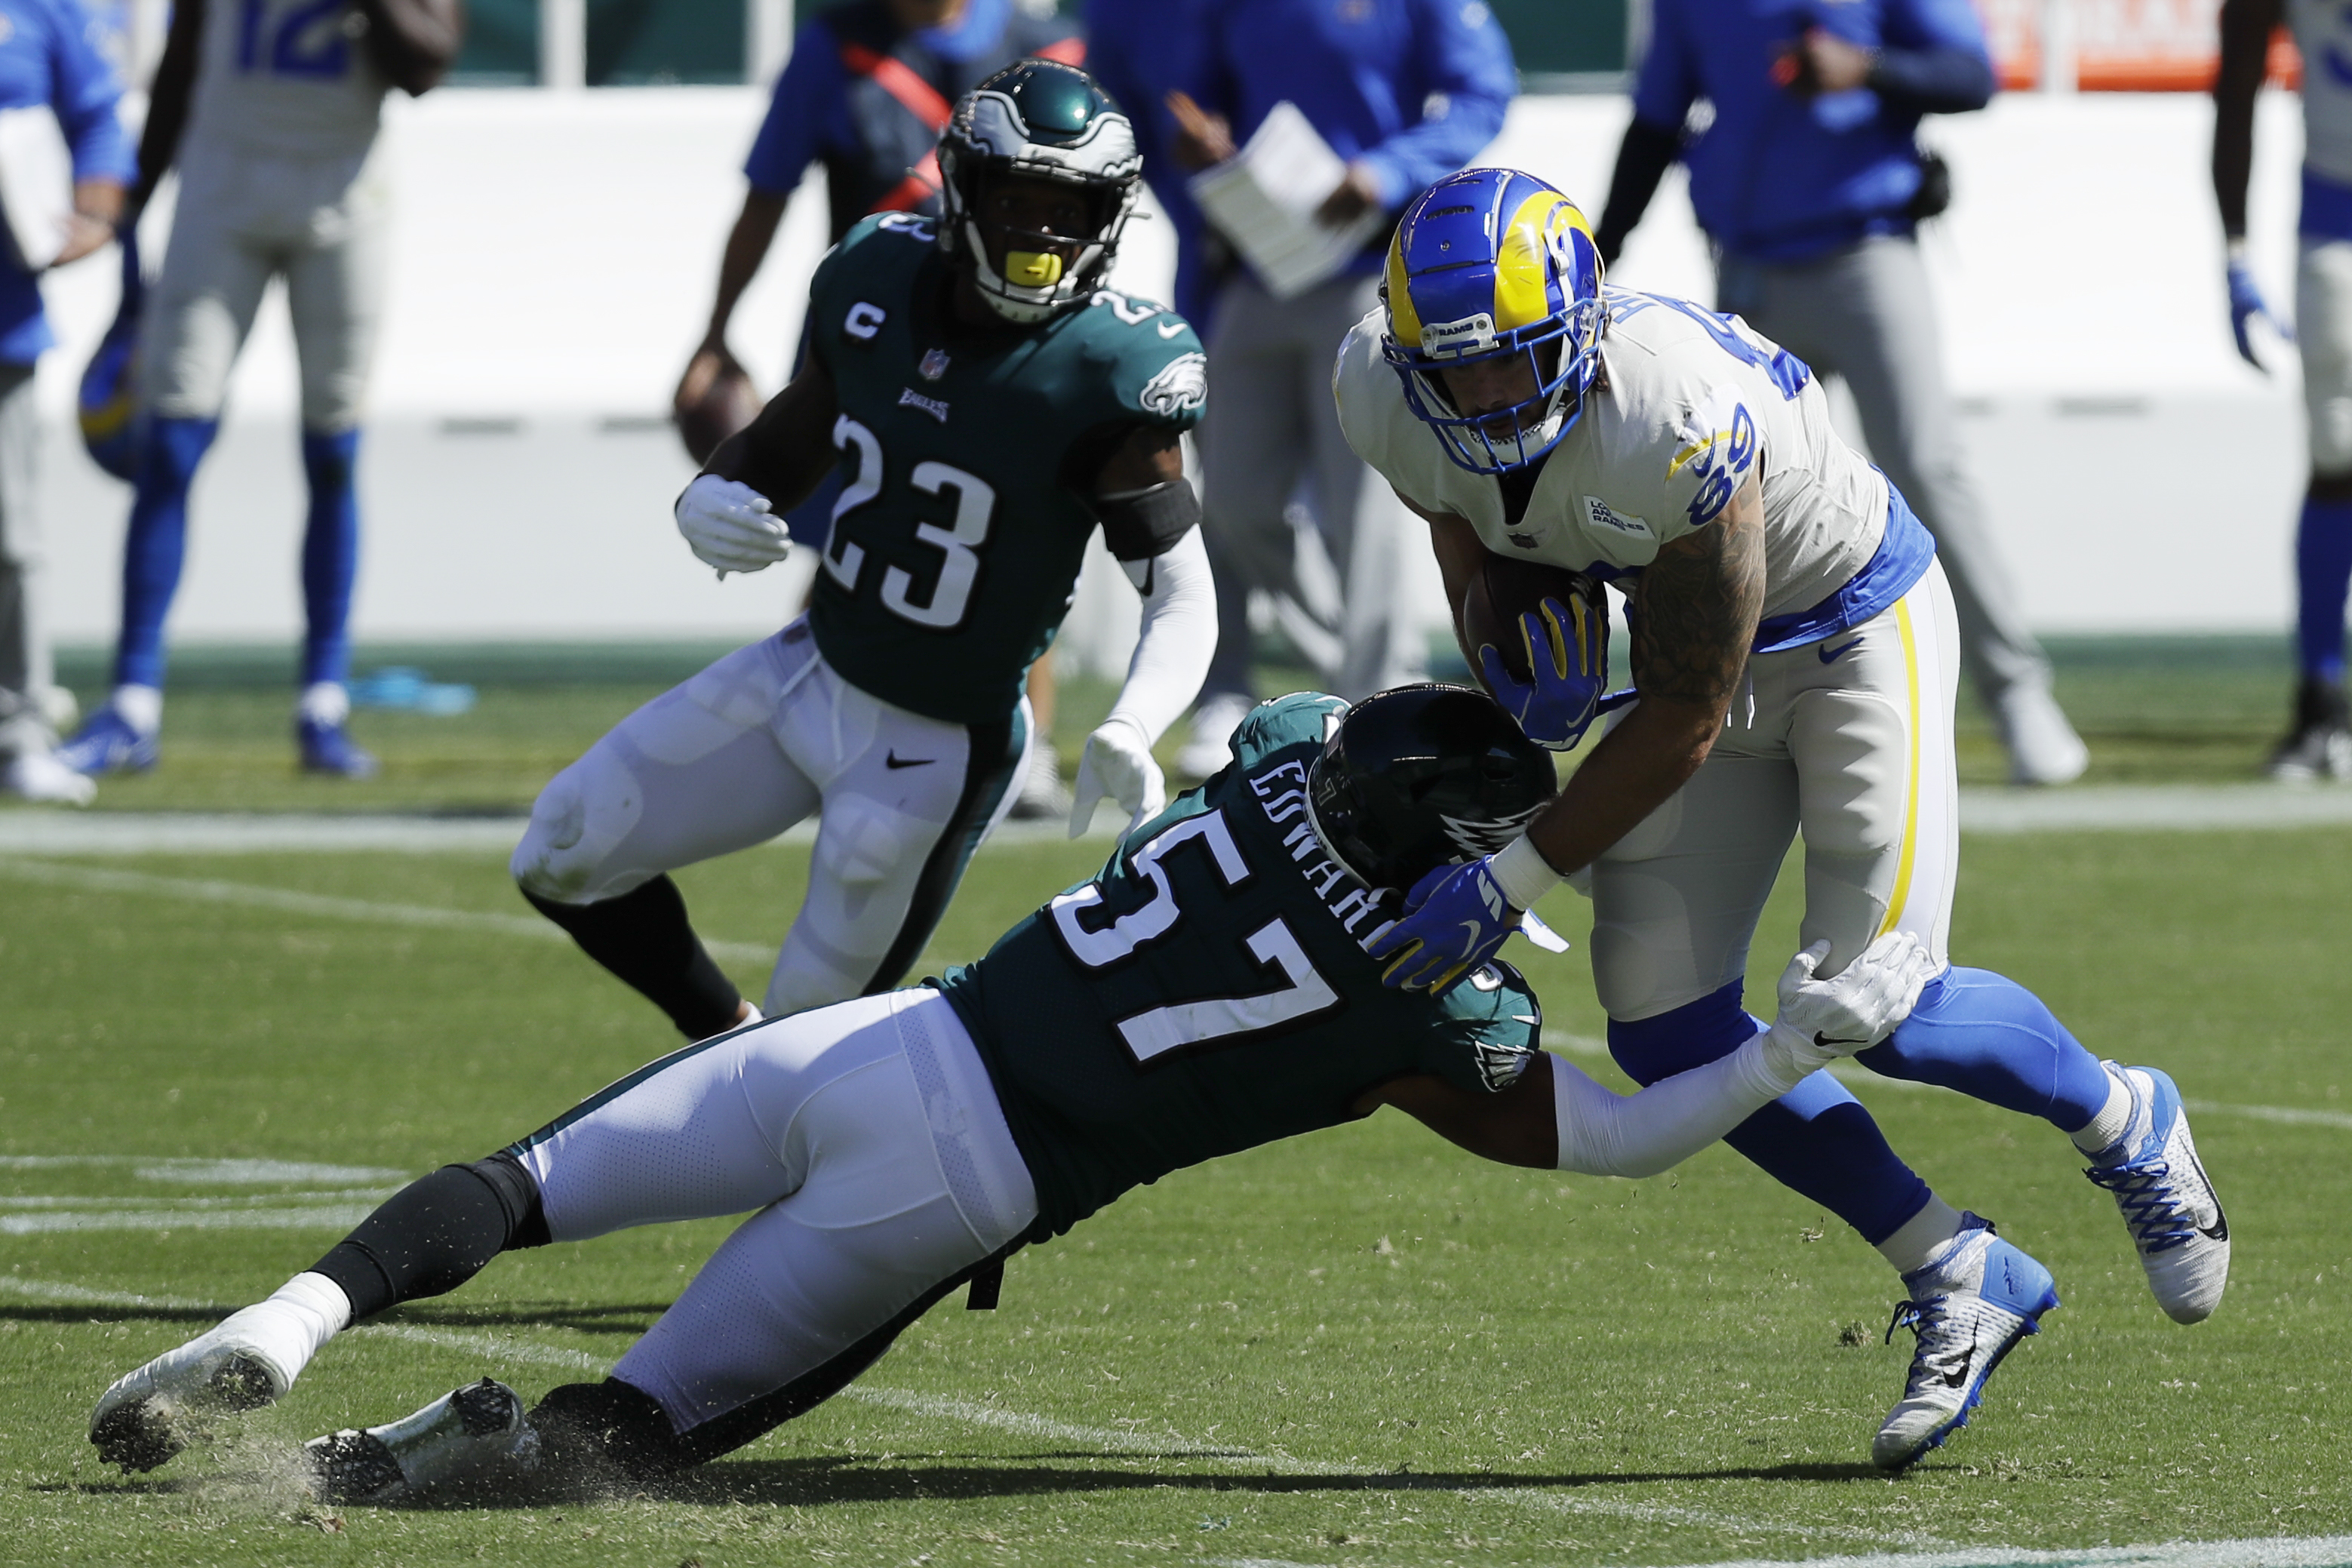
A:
x: 2272, y: 1552
x: 209, y: 890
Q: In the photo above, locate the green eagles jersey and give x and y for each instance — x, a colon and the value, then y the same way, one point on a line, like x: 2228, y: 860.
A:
x: 1209, y: 991
x: 958, y: 539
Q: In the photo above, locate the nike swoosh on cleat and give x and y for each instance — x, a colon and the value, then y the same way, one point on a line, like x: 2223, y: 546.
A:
x: 1960, y: 1379
x: 2219, y: 1229
x: 1827, y: 1043
x: 893, y: 759
x: 1831, y: 655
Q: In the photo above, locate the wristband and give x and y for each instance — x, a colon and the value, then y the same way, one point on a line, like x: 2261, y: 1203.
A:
x: 1522, y: 872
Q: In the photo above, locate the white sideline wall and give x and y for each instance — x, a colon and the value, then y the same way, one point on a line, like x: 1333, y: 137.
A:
x: 555, y: 257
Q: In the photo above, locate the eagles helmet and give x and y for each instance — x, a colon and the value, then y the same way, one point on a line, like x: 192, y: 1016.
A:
x: 1045, y: 121
x: 1422, y: 776
x: 1487, y: 265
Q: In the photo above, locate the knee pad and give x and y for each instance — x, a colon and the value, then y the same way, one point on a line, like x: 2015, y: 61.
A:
x: 860, y: 842
x: 562, y: 853
x: 1686, y: 1037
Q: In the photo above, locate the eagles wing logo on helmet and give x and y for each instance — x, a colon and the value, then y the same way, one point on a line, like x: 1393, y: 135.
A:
x: 1182, y: 385
x: 1481, y: 838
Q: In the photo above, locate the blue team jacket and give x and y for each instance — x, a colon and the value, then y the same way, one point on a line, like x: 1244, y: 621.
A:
x: 46, y: 58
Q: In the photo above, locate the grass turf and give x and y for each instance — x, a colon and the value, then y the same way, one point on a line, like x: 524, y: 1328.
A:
x: 1406, y: 1356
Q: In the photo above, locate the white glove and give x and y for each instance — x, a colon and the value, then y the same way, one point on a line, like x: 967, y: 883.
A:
x: 1116, y: 762
x: 1822, y: 1020
x: 729, y: 525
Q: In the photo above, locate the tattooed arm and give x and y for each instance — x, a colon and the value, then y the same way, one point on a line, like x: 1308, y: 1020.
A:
x: 1694, y: 619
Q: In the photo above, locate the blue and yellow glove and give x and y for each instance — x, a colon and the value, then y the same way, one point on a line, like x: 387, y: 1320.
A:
x: 1454, y: 920
x: 1568, y: 653
x: 2246, y: 306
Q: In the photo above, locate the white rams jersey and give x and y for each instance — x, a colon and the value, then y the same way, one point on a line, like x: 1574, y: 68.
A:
x: 1690, y: 405
x: 2322, y: 31
x: 285, y: 77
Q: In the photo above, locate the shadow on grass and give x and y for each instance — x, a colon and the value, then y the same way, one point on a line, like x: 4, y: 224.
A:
x: 631, y: 1317
x: 819, y: 1481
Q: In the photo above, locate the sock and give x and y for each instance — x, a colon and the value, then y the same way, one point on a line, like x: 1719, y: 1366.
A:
x: 331, y: 554
x: 327, y: 702
x: 290, y: 1326
x: 156, y: 544
x: 1989, y: 1037
x: 1915, y: 1244
x: 1816, y: 1140
x: 644, y: 938
x: 2323, y: 571
x: 436, y: 1234
x: 140, y: 707
x: 2099, y: 1135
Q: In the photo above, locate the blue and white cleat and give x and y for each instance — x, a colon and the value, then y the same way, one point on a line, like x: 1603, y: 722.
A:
x: 330, y: 749
x: 108, y: 744
x: 2168, y: 1205
x: 1969, y: 1307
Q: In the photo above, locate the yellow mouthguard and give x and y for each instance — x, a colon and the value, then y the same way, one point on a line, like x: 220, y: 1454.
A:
x: 1033, y: 268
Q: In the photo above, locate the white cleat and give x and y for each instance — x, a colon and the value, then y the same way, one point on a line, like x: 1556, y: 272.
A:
x: 2044, y: 748
x: 2168, y: 1202
x: 475, y: 1434
x: 151, y: 1414
x: 39, y: 776
x: 1969, y: 1308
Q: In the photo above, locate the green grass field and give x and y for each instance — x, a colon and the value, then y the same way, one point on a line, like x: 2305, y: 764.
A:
x: 1361, y: 1347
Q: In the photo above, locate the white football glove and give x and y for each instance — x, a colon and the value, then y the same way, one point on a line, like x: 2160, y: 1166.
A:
x: 1117, y: 763
x: 1823, y: 1020
x: 729, y: 525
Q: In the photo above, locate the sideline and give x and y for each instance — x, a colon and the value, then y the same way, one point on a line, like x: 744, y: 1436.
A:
x: 2270, y: 1552
x: 2123, y: 808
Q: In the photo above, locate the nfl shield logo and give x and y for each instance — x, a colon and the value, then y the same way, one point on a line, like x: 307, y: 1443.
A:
x: 934, y: 366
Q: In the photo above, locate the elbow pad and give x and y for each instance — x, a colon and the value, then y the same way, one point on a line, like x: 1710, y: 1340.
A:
x: 1140, y: 525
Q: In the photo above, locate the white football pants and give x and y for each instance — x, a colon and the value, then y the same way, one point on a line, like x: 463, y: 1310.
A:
x: 1847, y: 741
x: 868, y: 1137
x: 242, y: 219
x: 767, y: 736
x: 2322, y: 335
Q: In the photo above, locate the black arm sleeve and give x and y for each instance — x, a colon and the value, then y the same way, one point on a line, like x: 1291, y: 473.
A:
x: 1643, y: 160
x: 2246, y: 27
x: 1140, y: 525
x: 1933, y: 82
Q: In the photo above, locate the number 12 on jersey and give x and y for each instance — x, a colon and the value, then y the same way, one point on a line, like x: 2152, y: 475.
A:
x: 1157, y: 1031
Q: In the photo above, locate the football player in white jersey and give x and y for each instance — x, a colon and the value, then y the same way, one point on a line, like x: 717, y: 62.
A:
x: 268, y: 109
x: 1794, y: 660
x: 2318, y: 741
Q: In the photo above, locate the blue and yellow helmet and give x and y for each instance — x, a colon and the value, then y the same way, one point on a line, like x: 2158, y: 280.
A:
x: 1490, y: 264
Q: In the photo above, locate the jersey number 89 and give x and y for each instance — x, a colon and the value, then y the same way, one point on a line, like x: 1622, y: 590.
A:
x: 975, y: 508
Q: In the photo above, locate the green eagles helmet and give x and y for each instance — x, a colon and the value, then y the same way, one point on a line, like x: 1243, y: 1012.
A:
x: 1045, y: 121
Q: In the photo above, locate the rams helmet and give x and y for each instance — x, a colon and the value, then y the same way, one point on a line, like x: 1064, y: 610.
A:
x: 1491, y: 265
x: 1417, y: 777
x: 1044, y: 121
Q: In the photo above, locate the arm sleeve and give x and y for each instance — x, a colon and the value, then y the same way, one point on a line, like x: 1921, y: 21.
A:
x: 1179, y: 633
x: 1605, y: 1135
x: 1933, y: 58
x: 1471, y: 82
x: 1667, y: 83
x: 2246, y: 27
x: 85, y: 98
x: 1643, y: 160
x: 792, y: 135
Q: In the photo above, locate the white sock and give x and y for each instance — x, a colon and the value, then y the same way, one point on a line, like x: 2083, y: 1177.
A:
x: 140, y: 707
x: 2099, y: 1135
x: 289, y: 1328
x: 325, y: 702
x: 1921, y: 1237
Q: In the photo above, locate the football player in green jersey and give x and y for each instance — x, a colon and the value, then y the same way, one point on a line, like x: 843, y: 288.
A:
x: 989, y: 405
x: 1208, y: 990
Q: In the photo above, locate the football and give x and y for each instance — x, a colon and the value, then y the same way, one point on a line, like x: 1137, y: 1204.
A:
x: 728, y: 403
x: 1504, y: 589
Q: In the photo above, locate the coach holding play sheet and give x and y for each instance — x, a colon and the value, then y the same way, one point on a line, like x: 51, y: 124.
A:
x: 1810, y: 184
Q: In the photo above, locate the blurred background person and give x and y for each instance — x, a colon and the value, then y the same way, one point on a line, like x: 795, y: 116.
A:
x: 47, y: 62
x: 1406, y: 92
x: 866, y: 94
x: 2318, y: 741
x: 1141, y: 50
x: 1810, y: 184
x: 269, y: 109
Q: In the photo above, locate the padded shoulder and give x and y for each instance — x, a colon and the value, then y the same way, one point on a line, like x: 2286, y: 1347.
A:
x: 1303, y: 718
